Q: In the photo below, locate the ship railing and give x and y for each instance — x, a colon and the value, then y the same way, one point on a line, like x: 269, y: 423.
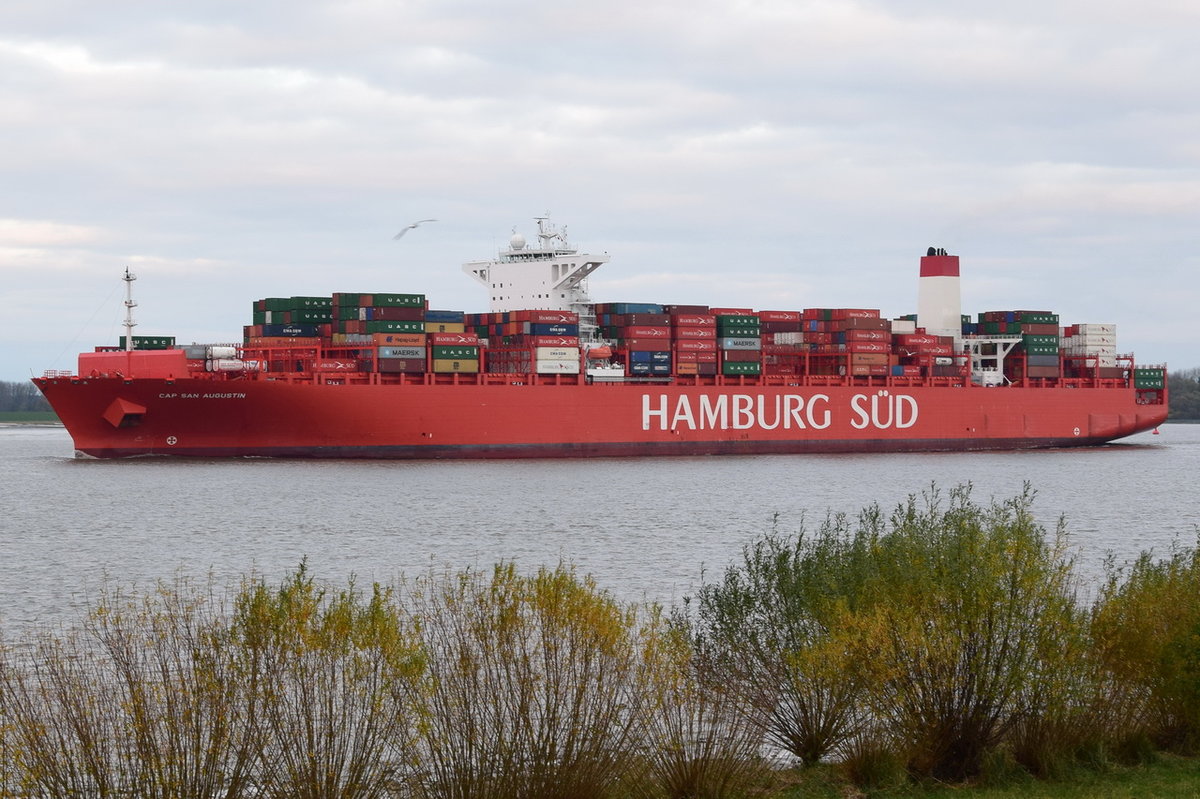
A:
x: 58, y: 373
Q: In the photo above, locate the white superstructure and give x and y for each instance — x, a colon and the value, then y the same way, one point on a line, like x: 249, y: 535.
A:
x: 550, y: 276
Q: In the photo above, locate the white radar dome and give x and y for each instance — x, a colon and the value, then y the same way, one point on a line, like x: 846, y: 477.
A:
x: 517, y: 242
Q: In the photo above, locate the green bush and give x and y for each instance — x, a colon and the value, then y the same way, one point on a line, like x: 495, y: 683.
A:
x: 770, y: 630
x: 1147, y: 632
x: 968, y: 614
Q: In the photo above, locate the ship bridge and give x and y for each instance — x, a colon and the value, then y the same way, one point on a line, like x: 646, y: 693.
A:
x: 551, y: 275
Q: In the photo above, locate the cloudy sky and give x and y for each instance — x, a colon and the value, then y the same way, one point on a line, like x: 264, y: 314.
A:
x: 779, y: 155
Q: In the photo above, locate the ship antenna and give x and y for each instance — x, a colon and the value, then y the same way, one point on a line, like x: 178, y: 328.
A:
x: 129, y: 306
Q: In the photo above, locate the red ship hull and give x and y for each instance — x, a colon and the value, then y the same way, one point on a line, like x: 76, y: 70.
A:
x: 495, y: 417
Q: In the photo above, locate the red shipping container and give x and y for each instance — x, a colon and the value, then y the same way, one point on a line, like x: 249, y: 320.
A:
x: 855, y: 313
x: 695, y: 332
x: 550, y: 341
x: 731, y: 311
x: 868, y: 335
x: 641, y: 331
x: 917, y: 339
x: 545, y: 317
x: 687, y: 357
x: 741, y: 356
x: 868, y: 346
x: 335, y: 365
x: 779, y: 316
x: 387, y: 313
x: 694, y: 320
x: 453, y: 339
x: 646, y: 319
x: 644, y: 344
x: 865, y: 323
x: 696, y: 345
x: 781, y: 327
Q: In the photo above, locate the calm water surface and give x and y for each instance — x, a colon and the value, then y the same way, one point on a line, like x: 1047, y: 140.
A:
x: 645, y: 528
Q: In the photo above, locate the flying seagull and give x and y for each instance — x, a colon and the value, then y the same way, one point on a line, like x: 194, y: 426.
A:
x: 413, y: 225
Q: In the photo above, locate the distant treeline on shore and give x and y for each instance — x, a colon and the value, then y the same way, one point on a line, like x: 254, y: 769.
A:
x: 22, y: 396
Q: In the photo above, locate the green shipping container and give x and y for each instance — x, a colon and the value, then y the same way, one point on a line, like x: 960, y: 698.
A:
x: 311, y: 317
x: 398, y: 300
x: 312, y: 303
x: 150, y: 342
x: 456, y: 353
x: 736, y: 331
x: 378, y: 326
x: 1038, y: 318
x: 1149, y: 378
x: 741, y: 368
x: 277, y: 303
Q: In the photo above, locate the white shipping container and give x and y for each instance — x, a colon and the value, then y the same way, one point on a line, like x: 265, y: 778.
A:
x: 1103, y: 329
x: 556, y: 353
x: 903, y: 326
x: 225, y: 365
x: 789, y: 338
x: 556, y: 367
x: 217, y: 352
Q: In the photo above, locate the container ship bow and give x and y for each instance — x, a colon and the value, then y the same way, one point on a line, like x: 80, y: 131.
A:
x: 548, y: 373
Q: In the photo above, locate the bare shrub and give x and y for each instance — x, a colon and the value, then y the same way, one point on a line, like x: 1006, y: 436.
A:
x: 536, y: 684
x: 329, y: 672
x: 701, y: 742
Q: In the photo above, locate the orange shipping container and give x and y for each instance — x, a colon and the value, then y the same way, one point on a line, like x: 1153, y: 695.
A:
x: 399, y: 339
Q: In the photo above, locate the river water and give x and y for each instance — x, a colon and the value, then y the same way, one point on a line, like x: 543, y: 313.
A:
x: 645, y: 528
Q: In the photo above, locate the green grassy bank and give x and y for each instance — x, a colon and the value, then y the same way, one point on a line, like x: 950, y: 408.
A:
x: 28, y: 417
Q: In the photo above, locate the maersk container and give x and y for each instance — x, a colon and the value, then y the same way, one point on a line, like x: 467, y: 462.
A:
x: 401, y: 352
x: 740, y: 343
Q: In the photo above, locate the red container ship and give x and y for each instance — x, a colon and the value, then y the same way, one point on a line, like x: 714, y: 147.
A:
x: 548, y: 373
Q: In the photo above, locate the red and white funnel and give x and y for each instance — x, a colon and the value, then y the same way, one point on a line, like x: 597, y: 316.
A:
x: 939, y: 297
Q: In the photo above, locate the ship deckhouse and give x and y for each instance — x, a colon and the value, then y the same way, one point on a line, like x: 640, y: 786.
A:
x: 551, y: 275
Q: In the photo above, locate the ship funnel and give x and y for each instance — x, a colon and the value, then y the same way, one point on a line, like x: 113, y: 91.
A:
x: 939, y: 297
